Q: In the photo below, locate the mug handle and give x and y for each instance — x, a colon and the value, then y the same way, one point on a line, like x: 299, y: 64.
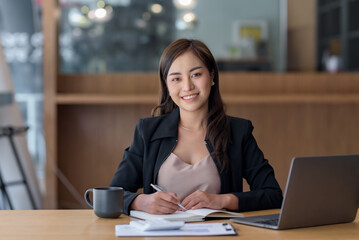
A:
x: 87, y: 197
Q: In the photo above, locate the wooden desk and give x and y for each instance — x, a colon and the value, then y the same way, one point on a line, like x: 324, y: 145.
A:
x: 83, y: 224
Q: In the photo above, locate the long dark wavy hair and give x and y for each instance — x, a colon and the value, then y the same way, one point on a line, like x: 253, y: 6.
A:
x: 218, y: 129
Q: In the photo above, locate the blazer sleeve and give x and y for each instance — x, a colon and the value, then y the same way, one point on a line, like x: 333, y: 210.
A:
x: 129, y: 173
x: 265, y: 192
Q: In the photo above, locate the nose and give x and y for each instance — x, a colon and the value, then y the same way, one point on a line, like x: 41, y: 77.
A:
x: 187, y: 84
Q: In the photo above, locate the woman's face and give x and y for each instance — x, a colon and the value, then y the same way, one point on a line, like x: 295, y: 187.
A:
x: 189, y: 83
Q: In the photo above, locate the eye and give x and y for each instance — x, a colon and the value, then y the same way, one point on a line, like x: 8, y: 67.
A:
x: 196, y: 75
x: 175, y: 79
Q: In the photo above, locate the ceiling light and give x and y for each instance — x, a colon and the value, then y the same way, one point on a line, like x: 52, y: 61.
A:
x: 156, y: 8
x: 184, y: 4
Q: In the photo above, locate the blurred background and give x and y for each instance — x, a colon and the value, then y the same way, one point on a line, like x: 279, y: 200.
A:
x: 119, y: 38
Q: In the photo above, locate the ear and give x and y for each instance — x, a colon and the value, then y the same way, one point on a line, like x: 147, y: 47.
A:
x: 212, y: 75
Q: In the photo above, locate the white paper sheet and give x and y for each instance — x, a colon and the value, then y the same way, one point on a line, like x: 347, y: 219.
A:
x: 189, y: 229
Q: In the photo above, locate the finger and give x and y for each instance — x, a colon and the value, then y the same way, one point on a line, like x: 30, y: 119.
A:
x: 187, y: 205
x: 199, y: 205
x: 160, y: 210
x: 193, y: 199
x: 165, y: 210
x: 188, y: 199
x: 181, y: 209
x: 168, y: 205
x: 169, y: 197
x: 192, y: 202
x: 160, y: 206
x: 168, y: 200
x: 174, y: 197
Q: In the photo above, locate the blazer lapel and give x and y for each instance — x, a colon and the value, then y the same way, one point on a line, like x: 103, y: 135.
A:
x: 166, y: 133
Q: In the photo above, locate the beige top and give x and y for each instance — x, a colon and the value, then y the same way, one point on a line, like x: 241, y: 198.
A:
x: 183, y: 179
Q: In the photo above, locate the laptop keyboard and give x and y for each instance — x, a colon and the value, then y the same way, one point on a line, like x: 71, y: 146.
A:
x: 273, y: 222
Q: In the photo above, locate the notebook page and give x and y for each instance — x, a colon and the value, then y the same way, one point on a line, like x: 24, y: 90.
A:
x: 206, y: 212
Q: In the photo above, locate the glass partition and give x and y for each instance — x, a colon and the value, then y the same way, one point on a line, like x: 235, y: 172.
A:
x: 130, y: 35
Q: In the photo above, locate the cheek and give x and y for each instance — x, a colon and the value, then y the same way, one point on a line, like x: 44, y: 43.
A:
x: 171, y: 90
x: 205, y: 85
x: 168, y: 87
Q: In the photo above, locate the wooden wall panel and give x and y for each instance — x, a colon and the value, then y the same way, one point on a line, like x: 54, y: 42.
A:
x: 294, y: 114
x: 50, y: 79
x: 287, y: 130
x: 302, y: 35
x: 230, y: 83
x: 124, y: 83
x: 91, y: 138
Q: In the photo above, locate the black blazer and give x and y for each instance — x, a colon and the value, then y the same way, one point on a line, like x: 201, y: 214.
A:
x: 156, y: 137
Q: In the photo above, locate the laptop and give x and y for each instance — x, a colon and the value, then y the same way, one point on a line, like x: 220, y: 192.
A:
x: 320, y: 190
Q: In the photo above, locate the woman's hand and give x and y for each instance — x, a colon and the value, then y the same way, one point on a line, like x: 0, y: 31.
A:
x: 201, y: 199
x: 156, y: 203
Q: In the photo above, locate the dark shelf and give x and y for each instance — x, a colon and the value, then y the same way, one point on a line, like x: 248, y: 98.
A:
x: 330, y: 5
x: 353, y: 34
x: 338, y: 32
x: 258, y: 64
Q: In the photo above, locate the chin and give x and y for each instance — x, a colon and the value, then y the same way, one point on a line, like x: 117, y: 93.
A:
x: 191, y: 109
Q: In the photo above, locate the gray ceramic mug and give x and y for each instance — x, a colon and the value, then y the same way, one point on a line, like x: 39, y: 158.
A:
x: 107, y: 201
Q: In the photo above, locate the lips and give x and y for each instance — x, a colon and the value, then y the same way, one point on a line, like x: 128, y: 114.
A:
x: 189, y: 97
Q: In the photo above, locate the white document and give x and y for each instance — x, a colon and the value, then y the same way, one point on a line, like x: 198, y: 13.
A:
x: 189, y: 229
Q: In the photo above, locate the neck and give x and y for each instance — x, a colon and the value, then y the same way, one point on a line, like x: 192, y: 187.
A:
x: 193, y: 121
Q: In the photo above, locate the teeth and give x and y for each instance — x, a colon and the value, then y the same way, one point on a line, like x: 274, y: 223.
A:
x: 189, y: 97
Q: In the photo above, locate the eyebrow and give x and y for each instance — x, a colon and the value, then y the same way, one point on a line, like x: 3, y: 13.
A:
x: 191, y: 70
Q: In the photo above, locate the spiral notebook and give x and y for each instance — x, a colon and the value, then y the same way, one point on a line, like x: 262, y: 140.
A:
x: 187, y: 216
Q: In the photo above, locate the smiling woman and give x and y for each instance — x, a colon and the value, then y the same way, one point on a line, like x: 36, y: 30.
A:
x: 192, y: 148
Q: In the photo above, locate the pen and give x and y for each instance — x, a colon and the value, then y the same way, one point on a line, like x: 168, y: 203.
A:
x: 159, y: 189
